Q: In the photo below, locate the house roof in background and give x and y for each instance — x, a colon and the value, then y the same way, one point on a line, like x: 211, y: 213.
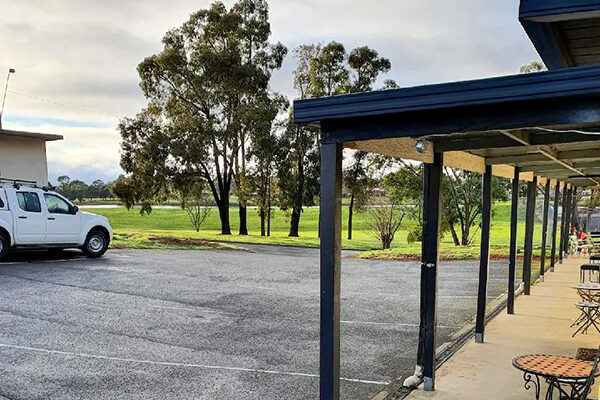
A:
x: 47, y: 137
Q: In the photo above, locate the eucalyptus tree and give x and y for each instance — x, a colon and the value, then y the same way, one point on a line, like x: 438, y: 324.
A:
x: 263, y: 149
x: 461, y: 191
x: 200, y: 88
x: 365, y: 67
x: 328, y: 71
x: 321, y: 71
x: 257, y: 53
x: 359, y: 181
x: 534, y: 66
x: 298, y: 156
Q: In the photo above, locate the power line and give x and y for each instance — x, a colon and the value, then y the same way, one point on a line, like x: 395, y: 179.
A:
x: 63, y: 104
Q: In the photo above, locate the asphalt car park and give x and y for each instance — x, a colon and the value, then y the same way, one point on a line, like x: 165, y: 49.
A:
x: 159, y: 324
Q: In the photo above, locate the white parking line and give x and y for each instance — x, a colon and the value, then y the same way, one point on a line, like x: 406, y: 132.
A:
x: 349, y: 322
x: 260, y: 287
x: 55, y: 261
x: 185, y: 365
x: 394, y: 324
x: 195, y: 310
x: 354, y: 292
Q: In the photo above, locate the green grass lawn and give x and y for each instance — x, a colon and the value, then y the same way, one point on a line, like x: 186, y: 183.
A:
x: 134, y: 230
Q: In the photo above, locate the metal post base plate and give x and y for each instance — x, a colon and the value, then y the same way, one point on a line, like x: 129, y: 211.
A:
x: 429, y: 384
x: 479, y: 337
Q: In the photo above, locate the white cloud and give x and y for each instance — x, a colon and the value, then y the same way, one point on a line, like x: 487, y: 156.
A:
x: 85, y: 53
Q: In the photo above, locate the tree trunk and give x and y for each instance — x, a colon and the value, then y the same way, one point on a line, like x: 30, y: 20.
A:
x: 454, y: 235
x: 386, y: 242
x: 243, y: 211
x: 269, y: 208
x: 224, y: 216
x: 465, y: 236
x: 262, y: 222
x: 295, y: 222
x: 297, y: 209
x: 350, y: 210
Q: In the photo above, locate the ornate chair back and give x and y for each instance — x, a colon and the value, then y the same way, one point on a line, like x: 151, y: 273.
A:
x: 590, y: 380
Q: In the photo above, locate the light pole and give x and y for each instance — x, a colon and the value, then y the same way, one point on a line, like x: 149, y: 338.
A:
x: 10, y: 71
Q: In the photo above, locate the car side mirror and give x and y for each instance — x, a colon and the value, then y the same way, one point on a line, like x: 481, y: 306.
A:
x: 74, y: 210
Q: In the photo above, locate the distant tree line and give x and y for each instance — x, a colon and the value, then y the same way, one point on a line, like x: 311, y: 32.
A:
x: 79, y: 190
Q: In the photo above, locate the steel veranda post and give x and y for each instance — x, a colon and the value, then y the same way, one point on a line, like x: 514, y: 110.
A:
x: 432, y: 176
x: 554, y: 227
x: 545, y: 229
x: 529, y: 225
x: 567, y: 222
x: 331, y: 218
x: 484, y: 259
x: 563, y: 218
x: 574, y: 208
x: 571, y: 217
x: 573, y: 214
x: 512, y: 261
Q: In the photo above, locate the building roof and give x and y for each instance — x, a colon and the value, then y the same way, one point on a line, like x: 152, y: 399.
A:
x: 547, y: 124
x: 565, y: 33
x: 47, y: 137
x: 492, y: 92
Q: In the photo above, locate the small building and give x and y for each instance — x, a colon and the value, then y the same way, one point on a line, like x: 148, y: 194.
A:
x: 23, y: 155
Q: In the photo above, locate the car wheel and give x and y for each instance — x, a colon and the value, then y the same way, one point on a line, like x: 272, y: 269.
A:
x: 95, y: 244
x: 4, y: 245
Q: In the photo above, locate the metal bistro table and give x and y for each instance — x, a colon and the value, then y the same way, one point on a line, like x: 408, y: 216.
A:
x: 589, y: 307
x: 588, y: 291
x: 566, y: 375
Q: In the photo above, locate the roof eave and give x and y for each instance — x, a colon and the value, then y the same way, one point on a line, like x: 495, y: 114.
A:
x: 542, y: 20
x: 47, y: 137
x: 510, y: 89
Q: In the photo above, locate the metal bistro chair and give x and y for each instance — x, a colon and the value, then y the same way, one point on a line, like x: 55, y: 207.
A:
x: 594, y: 240
x: 583, y: 247
x: 590, y: 311
x: 591, y: 269
x: 590, y: 381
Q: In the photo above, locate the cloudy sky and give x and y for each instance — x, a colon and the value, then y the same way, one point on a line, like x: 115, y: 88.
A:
x: 76, y: 60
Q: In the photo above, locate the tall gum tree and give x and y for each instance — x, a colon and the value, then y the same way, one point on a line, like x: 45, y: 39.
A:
x: 200, y: 87
x: 321, y: 71
x: 260, y: 54
x: 365, y: 68
x: 264, y: 127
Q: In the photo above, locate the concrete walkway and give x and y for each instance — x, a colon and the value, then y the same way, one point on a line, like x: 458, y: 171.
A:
x: 541, y: 325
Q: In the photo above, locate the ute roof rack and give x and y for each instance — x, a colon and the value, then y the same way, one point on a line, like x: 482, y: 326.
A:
x: 17, y: 183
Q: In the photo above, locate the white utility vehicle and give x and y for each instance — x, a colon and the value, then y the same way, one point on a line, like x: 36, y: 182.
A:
x: 37, y: 218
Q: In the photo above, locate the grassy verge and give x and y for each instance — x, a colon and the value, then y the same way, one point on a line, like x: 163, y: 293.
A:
x: 155, y: 240
x: 136, y: 231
